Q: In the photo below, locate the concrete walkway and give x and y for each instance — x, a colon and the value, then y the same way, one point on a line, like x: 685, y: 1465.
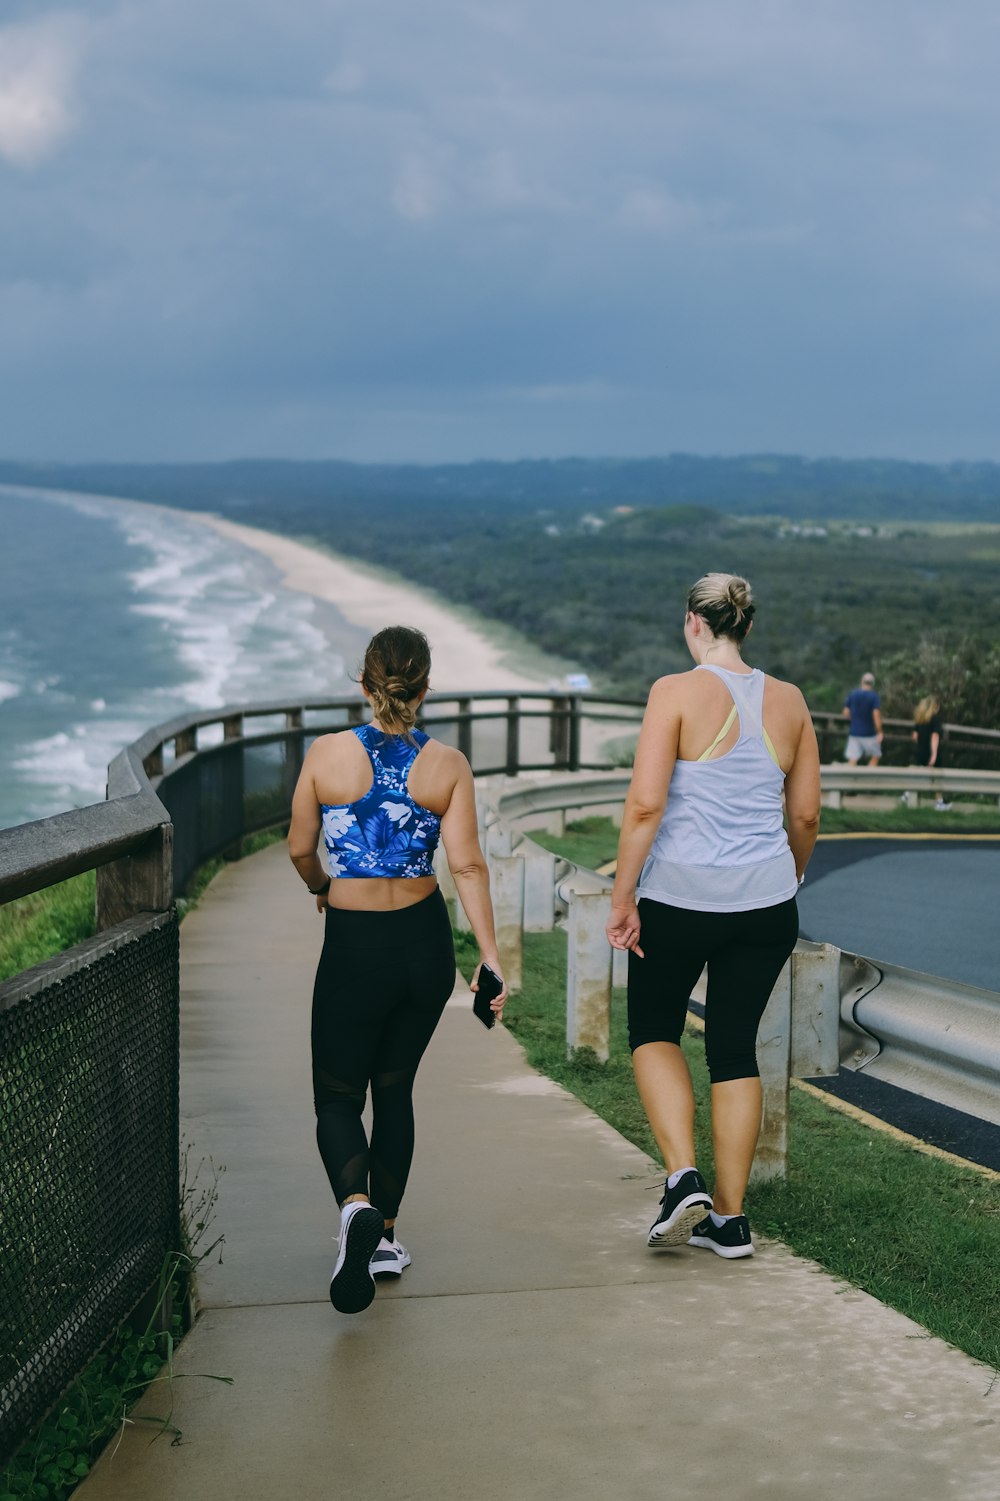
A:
x: 535, y: 1348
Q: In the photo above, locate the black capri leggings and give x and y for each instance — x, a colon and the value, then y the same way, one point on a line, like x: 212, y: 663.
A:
x: 381, y: 986
x: 745, y: 953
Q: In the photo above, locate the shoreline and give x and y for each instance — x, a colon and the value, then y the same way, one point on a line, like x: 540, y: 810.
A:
x: 464, y: 655
x: 469, y: 652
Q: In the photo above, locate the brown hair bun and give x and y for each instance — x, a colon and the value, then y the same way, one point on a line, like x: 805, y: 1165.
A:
x: 396, y: 673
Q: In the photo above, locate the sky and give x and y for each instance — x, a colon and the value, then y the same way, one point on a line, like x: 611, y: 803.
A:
x: 386, y: 231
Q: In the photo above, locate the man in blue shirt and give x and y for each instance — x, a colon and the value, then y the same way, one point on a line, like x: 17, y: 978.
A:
x: 862, y: 707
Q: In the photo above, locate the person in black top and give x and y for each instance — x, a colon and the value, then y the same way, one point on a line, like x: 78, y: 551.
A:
x: 927, y: 735
x: 927, y: 731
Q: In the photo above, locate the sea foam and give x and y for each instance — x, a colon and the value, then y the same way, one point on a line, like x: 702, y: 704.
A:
x: 224, y: 630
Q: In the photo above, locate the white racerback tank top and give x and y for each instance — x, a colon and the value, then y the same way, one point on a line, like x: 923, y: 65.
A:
x: 721, y: 845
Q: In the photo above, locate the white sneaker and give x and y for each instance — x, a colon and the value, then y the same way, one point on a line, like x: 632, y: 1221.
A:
x: 351, y: 1286
x: 389, y: 1259
x: 941, y: 806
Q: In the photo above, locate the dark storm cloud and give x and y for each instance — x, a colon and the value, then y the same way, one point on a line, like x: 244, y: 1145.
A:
x: 380, y: 230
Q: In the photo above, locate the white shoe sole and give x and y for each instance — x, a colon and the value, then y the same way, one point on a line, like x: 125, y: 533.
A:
x: 676, y: 1230
x: 389, y: 1268
x: 731, y: 1253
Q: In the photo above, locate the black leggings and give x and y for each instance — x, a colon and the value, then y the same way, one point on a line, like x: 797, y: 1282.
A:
x: 381, y: 986
x: 745, y: 953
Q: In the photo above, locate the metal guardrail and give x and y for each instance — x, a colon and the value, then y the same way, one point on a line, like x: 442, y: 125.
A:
x: 916, y: 782
x: 934, y: 1037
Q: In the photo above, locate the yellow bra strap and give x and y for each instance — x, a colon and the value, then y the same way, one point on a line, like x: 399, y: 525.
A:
x: 706, y: 755
x: 770, y: 748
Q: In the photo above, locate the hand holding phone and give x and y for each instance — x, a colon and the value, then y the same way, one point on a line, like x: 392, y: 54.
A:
x: 490, y: 985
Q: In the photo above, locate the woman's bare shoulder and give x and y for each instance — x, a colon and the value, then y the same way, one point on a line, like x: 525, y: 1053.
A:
x: 325, y: 746
x: 785, y: 695
x: 444, y: 758
x: 671, y: 684
x: 332, y: 739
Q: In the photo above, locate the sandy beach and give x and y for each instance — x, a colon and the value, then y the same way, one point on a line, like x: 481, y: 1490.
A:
x: 237, y: 614
x: 465, y: 657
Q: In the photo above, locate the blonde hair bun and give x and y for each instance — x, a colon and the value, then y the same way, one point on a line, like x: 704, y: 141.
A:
x: 740, y: 596
x: 725, y: 603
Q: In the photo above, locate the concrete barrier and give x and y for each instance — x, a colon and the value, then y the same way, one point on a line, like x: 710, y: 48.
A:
x: 588, y: 974
x: 539, y: 886
x: 507, y: 884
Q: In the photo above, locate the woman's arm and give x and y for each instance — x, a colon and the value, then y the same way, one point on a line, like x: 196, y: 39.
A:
x: 460, y: 836
x: 935, y: 743
x: 304, y: 832
x: 655, y: 755
x: 802, y: 795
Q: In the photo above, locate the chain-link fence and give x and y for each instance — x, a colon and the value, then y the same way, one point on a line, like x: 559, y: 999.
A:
x: 88, y: 1155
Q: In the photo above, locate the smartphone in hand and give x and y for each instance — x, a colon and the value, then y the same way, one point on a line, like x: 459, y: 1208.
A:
x: 490, y: 986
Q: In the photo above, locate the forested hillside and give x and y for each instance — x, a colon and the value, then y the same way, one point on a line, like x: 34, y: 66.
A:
x: 604, y: 584
x: 755, y: 484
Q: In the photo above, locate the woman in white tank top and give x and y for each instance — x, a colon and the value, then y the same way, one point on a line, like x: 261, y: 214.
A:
x: 707, y: 874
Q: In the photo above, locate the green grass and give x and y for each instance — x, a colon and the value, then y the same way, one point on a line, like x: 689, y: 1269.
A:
x: 920, y: 1234
x: 35, y: 927
x: 587, y: 841
x: 979, y: 818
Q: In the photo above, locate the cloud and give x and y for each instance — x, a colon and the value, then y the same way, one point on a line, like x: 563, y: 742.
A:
x: 569, y: 392
x: 752, y: 217
x: 420, y: 189
x: 656, y: 209
x: 38, y: 64
x: 346, y: 78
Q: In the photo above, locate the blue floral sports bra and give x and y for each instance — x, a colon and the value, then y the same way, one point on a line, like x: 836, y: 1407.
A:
x: 385, y: 833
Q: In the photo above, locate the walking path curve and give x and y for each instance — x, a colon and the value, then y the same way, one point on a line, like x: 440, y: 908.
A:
x: 535, y: 1348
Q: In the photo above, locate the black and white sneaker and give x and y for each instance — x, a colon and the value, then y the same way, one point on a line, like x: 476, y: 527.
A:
x: 352, y: 1286
x: 390, y: 1258
x: 730, y: 1239
x: 680, y: 1210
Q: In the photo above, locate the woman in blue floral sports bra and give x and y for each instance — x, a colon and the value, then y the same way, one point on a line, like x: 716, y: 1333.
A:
x: 382, y: 795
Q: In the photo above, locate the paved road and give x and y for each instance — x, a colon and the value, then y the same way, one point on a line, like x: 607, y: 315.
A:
x: 928, y: 904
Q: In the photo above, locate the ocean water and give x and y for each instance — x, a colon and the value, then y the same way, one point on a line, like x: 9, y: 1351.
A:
x: 114, y: 617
